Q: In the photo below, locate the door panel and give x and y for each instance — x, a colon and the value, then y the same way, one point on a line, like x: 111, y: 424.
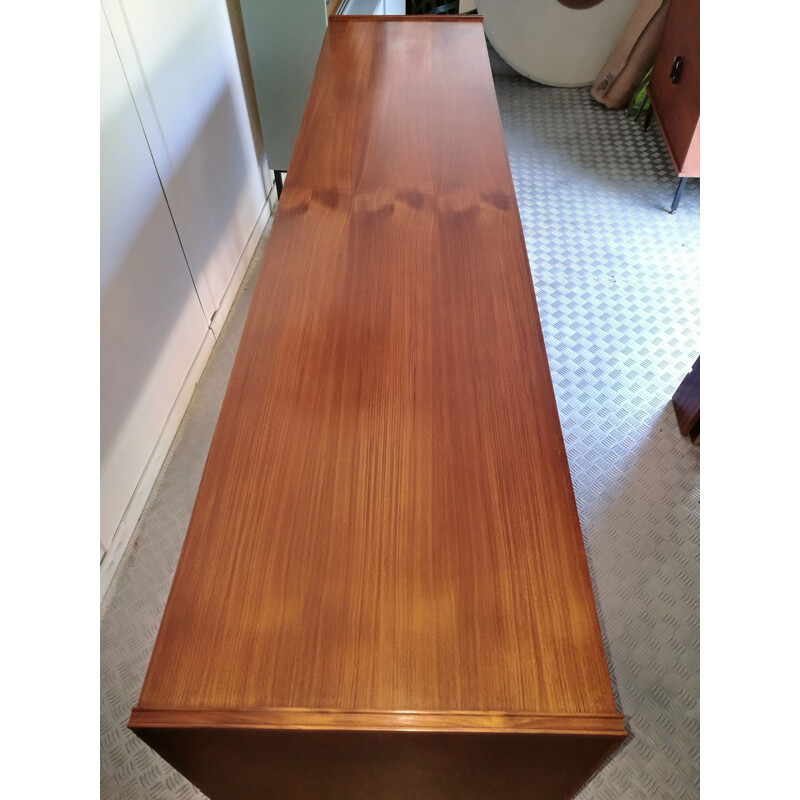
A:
x: 181, y: 63
x: 151, y: 322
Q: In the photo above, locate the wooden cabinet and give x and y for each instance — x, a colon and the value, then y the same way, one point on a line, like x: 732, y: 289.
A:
x: 675, y: 86
x: 383, y: 592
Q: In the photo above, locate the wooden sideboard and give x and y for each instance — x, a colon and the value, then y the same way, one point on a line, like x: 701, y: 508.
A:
x: 383, y: 592
x: 674, y: 89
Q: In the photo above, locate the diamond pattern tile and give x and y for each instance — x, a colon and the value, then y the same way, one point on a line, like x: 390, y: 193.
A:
x: 617, y: 284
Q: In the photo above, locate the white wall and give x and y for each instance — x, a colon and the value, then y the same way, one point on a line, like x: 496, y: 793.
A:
x: 182, y: 197
x: 180, y: 61
x: 151, y: 321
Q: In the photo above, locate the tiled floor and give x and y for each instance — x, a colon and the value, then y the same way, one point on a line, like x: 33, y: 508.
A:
x: 617, y: 281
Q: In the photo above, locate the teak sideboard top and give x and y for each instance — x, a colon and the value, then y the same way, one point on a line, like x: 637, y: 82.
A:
x: 385, y: 536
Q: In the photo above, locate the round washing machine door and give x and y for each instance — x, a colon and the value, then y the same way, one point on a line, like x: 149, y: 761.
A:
x: 557, y: 42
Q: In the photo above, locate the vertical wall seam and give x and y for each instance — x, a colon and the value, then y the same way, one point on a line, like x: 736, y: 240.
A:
x: 150, y: 150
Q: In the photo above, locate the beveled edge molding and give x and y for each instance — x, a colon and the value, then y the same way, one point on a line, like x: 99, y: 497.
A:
x: 413, y: 721
x: 405, y: 18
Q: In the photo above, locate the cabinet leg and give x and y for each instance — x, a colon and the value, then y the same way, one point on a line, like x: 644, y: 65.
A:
x: 678, y: 194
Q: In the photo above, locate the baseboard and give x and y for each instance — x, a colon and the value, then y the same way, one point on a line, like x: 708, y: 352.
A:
x: 122, y: 536
x: 113, y: 556
x: 221, y: 314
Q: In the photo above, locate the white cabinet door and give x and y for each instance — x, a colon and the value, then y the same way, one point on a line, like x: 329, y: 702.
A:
x: 152, y: 324
x: 284, y: 38
x: 180, y: 61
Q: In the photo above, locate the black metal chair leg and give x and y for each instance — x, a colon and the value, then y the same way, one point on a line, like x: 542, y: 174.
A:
x: 647, y: 119
x: 278, y: 182
x: 678, y: 194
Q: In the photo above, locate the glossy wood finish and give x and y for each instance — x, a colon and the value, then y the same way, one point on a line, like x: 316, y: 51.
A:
x: 385, y: 541
x: 686, y: 402
x: 677, y: 105
x: 429, y: 721
x: 380, y: 765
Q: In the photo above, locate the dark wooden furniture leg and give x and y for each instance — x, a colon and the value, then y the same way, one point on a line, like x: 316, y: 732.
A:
x: 678, y: 194
x: 687, y: 404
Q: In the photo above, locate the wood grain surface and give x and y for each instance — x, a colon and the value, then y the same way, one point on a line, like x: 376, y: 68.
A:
x: 386, y: 522
x: 686, y: 402
x: 380, y: 765
x: 677, y: 105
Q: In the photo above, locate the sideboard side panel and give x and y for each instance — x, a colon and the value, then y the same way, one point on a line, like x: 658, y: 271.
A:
x: 237, y: 764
